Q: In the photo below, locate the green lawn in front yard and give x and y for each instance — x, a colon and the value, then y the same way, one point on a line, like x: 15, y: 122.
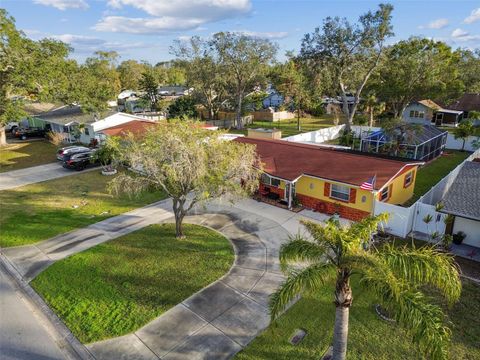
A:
x: 436, y: 170
x: 118, y: 286
x: 39, y: 211
x: 289, y: 127
x: 22, y: 155
x: 369, y: 336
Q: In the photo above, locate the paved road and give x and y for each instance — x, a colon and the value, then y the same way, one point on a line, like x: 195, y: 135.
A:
x: 34, y: 174
x: 22, y: 336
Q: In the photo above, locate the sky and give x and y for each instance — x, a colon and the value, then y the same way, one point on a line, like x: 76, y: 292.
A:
x: 145, y: 29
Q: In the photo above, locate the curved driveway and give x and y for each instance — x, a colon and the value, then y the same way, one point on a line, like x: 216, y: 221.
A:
x: 214, y: 323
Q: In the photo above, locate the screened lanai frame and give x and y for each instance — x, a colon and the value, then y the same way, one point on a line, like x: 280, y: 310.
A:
x: 423, y: 144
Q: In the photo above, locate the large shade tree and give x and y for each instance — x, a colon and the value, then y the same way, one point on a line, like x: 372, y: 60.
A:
x: 348, y: 54
x: 29, y: 70
x: 396, y: 275
x: 414, y: 69
x: 245, y: 60
x: 203, y: 72
x: 291, y: 81
x: 190, y: 164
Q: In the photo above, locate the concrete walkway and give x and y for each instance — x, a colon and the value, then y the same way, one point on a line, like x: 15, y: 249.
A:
x: 34, y: 174
x: 214, y: 323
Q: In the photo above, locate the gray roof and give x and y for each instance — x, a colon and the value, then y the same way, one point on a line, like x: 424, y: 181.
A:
x: 74, y: 113
x: 463, y: 196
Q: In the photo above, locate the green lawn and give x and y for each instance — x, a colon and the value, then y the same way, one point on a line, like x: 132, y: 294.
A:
x: 289, y: 127
x: 369, y: 336
x: 435, y: 171
x: 21, y: 155
x: 116, y: 287
x: 39, y: 211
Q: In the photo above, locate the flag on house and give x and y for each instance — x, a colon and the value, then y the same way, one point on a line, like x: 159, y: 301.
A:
x: 369, y: 184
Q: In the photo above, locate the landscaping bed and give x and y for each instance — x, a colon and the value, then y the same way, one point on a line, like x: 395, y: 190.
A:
x: 116, y: 287
x: 436, y: 170
x: 17, y: 156
x: 369, y: 336
x: 40, y: 211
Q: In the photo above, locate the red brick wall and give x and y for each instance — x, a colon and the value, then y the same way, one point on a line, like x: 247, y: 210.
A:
x: 330, y: 208
x: 273, y: 189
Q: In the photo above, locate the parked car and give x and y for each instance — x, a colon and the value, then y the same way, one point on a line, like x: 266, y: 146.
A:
x: 25, y: 133
x: 78, y: 161
x: 70, y: 150
x: 11, y: 126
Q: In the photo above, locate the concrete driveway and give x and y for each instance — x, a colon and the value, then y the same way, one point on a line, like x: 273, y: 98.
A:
x: 214, y: 323
x: 34, y: 174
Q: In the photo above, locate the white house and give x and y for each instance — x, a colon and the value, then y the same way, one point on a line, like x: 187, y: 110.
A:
x: 462, y: 200
x: 82, y: 127
x: 427, y: 112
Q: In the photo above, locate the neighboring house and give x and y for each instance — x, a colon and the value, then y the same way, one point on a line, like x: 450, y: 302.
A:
x: 330, y: 181
x: 71, y: 121
x: 173, y: 90
x: 427, y: 112
x: 135, y: 127
x: 462, y: 200
x: 468, y: 102
x: 273, y: 100
x: 422, y: 143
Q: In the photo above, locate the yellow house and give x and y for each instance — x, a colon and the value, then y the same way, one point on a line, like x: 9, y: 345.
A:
x: 331, y: 181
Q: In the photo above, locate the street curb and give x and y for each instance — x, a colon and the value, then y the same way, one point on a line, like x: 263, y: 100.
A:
x: 71, y: 347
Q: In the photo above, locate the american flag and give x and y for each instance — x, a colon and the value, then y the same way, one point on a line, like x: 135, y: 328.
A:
x: 368, y: 185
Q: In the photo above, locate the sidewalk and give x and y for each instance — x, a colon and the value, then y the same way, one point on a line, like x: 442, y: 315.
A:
x: 220, y: 319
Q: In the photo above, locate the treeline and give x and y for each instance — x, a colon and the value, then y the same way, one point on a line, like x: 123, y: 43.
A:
x: 230, y: 70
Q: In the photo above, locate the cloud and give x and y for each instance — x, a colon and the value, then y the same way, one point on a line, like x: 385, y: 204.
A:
x: 463, y: 36
x: 264, y: 35
x: 63, y: 4
x: 171, y: 15
x: 473, y: 17
x: 435, y: 24
x: 90, y: 44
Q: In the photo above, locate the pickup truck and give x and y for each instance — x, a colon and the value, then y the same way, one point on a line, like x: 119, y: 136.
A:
x: 25, y: 133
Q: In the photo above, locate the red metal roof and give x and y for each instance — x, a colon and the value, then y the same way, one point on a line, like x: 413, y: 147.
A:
x: 135, y: 127
x: 289, y: 160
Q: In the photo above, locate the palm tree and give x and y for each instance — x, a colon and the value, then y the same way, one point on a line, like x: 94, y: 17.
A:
x: 396, y: 275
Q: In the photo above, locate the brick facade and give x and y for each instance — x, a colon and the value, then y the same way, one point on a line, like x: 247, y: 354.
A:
x: 330, y: 208
x: 273, y: 189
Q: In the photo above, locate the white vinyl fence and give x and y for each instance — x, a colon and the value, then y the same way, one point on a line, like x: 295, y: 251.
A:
x: 456, y: 144
x: 317, y: 136
x: 404, y: 220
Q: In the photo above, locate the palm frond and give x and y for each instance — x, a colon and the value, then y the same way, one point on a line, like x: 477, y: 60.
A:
x: 327, y: 235
x: 424, y: 321
x: 422, y: 266
x: 298, y: 249
x: 309, y: 278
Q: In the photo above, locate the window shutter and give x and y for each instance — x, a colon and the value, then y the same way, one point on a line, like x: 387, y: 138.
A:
x: 353, y: 195
x: 326, y: 189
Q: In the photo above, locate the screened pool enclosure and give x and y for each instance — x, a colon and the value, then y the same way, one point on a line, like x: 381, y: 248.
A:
x: 422, y: 143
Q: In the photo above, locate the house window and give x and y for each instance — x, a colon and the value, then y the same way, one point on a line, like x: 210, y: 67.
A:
x: 408, y: 179
x: 86, y: 131
x: 267, y: 180
x: 421, y: 114
x: 340, y: 192
x: 384, y: 194
x: 411, y: 113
